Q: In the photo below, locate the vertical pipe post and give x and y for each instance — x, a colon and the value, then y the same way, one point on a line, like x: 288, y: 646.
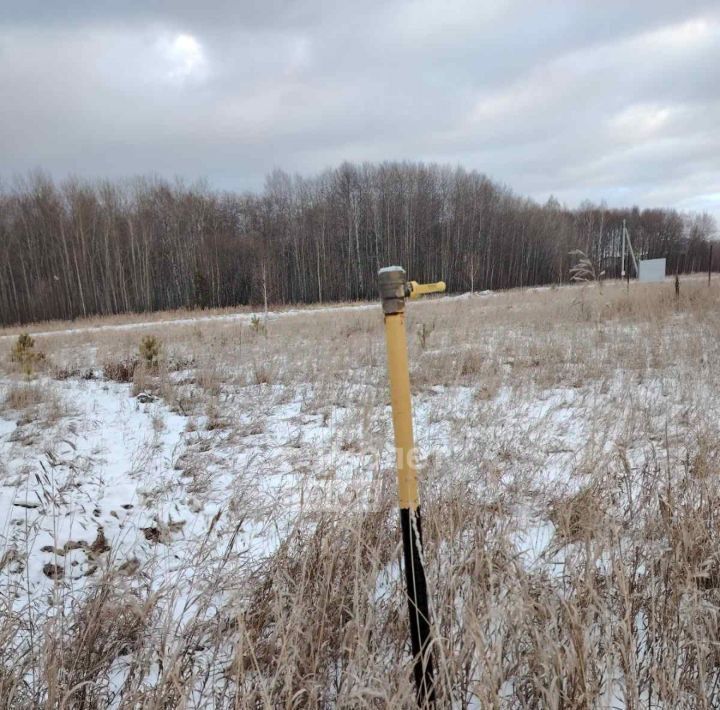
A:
x: 624, y: 249
x: 393, y: 290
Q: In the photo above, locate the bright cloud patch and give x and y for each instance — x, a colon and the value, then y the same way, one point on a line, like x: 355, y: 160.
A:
x: 182, y: 56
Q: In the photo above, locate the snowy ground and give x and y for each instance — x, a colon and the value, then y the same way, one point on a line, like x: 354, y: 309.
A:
x: 553, y: 429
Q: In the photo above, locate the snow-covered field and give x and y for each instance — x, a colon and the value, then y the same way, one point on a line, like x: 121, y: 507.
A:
x: 221, y: 530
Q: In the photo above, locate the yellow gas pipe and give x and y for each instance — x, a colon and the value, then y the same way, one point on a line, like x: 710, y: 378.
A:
x: 394, y: 289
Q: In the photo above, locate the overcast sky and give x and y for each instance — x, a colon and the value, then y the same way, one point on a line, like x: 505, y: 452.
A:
x: 601, y: 100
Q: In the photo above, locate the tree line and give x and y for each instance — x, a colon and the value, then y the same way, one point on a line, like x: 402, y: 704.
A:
x: 83, y: 248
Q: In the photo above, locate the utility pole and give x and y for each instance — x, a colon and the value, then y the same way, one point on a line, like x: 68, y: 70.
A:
x: 394, y: 289
x: 626, y: 240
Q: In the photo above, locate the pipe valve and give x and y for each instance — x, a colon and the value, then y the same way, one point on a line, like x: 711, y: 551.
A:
x: 394, y: 289
x: 417, y: 290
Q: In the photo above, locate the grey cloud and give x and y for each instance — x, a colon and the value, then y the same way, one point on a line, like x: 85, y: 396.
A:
x: 217, y: 12
x: 584, y: 100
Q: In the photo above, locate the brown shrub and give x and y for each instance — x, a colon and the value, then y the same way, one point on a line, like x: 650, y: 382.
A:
x: 120, y: 370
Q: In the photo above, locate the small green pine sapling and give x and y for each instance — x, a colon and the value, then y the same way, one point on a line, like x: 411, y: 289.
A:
x: 150, y: 347
x: 24, y: 354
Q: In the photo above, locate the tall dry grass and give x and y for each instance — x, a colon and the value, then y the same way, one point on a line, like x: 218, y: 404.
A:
x: 569, y: 478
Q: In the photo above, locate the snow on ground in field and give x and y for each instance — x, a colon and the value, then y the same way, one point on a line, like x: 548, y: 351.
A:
x: 72, y: 489
x: 136, y: 484
x: 117, y: 480
x: 112, y: 481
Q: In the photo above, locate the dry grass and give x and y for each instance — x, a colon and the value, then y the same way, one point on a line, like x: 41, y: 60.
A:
x: 22, y: 396
x: 99, y: 322
x: 585, y: 417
